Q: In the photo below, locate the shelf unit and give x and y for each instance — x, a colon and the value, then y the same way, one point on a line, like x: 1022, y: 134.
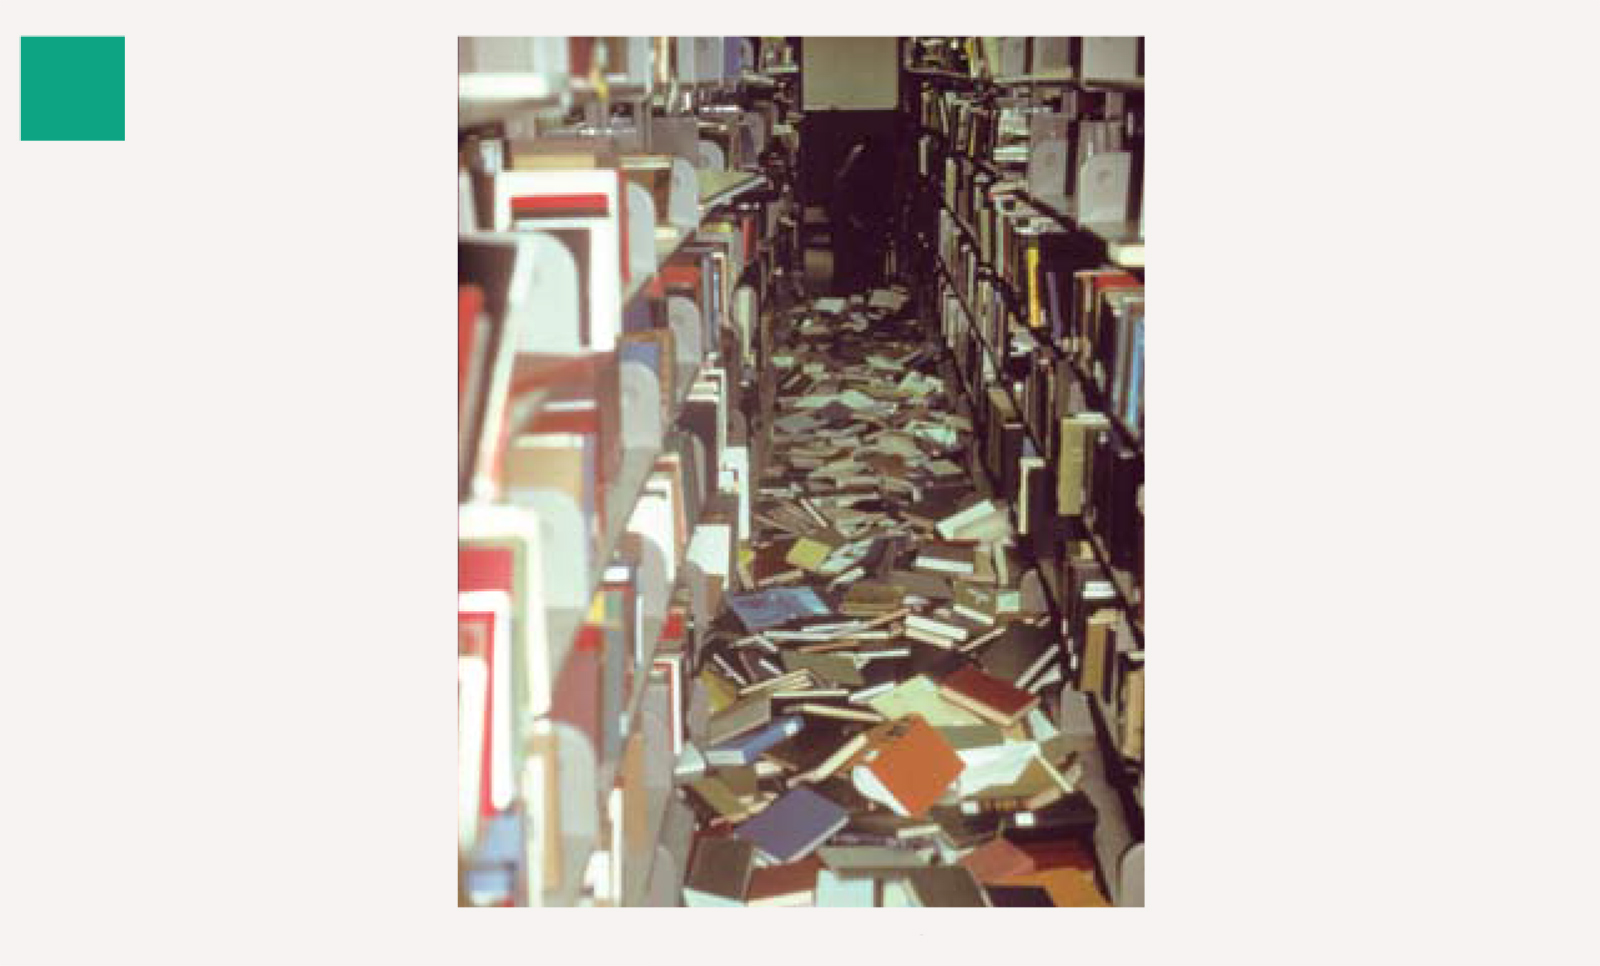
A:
x: 1122, y: 581
x: 1114, y: 791
x: 484, y: 100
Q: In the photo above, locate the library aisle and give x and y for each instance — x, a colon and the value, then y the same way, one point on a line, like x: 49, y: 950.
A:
x: 800, y: 472
x: 908, y: 650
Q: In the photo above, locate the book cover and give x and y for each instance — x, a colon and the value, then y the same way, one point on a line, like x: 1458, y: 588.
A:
x: 987, y: 696
x: 945, y: 886
x: 762, y: 609
x: 794, y: 825
x: 906, y: 765
x: 747, y: 748
x: 997, y: 859
x: 786, y: 884
x: 720, y: 874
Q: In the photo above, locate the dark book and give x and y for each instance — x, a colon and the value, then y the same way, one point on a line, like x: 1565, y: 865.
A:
x: 1019, y: 654
x: 1018, y: 896
x: 1071, y: 817
x: 700, y: 416
x: 812, y: 746
x: 945, y: 886
x: 720, y: 874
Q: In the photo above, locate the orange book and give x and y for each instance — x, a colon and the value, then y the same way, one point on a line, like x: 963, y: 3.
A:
x: 906, y: 765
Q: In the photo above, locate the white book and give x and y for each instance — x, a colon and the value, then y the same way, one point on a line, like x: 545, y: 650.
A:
x: 937, y: 627
x: 924, y: 562
x: 472, y: 696
x: 606, y: 278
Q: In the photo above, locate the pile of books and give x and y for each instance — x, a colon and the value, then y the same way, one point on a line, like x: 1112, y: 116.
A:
x: 873, y: 722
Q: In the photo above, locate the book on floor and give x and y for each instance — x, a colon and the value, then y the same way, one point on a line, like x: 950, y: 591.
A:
x: 906, y: 765
x: 720, y: 874
x: 794, y: 825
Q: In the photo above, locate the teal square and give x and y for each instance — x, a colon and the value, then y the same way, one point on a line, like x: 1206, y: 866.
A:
x: 73, y: 88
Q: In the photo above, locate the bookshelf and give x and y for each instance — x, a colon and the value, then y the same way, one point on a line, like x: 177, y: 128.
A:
x: 969, y: 228
x: 606, y: 584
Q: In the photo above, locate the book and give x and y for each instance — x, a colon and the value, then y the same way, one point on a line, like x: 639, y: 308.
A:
x: 794, y: 825
x: 741, y: 718
x: 920, y: 696
x: 812, y: 745
x: 717, y: 799
x: 1018, y: 896
x: 988, y: 697
x: 762, y: 609
x: 720, y: 874
x: 1065, y: 887
x: 945, y: 886
x: 746, y: 748
x: 906, y: 765
x: 997, y: 859
x: 786, y: 884
x: 831, y: 763
x: 585, y: 206
x: 1019, y: 654
x: 853, y: 860
x: 945, y: 559
x: 1072, y: 816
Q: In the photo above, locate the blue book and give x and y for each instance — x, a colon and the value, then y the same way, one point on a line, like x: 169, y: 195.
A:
x: 793, y: 826
x: 780, y: 605
x: 747, y: 748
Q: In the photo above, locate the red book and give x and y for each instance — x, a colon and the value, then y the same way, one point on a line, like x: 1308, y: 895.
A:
x: 997, y: 859
x: 561, y: 206
x: 986, y: 696
x: 470, y: 303
x: 1061, y: 853
x: 679, y: 278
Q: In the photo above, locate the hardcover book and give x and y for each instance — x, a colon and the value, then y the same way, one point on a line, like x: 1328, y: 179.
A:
x: 793, y: 826
x: 906, y: 765
x: 988, y: 697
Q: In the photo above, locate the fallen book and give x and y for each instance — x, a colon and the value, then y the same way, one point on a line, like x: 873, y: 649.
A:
x: 906, y: 765
x: 720, y: 874
x: 770, y: 608
x: 788, y: 884
x: 794, y: 825
x: 747, y: 748
x: 988, y: 697
x: 946, y: 886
